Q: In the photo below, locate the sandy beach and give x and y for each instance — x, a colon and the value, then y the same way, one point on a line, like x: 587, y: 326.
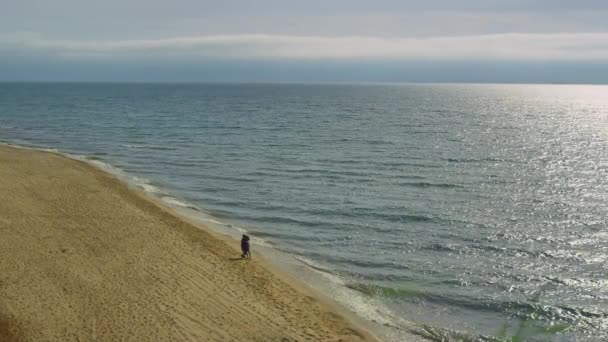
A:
x: 85, y: 258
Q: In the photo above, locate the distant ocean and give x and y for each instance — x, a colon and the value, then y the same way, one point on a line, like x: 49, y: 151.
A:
x: 445, y: 211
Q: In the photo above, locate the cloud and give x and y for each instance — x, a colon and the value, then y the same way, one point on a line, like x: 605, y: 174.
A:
x: 149, y: 19
x: 503, y: 47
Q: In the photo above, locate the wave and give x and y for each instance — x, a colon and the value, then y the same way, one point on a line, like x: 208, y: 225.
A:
x: 404, y: 218
x: 177, y: 163
x: 318, y: 267
x: 443, y: 247
x: 478, y: 160
x: 283, y: 236
x: 232, y: 179
x: 430, y: 185
x: 179, y: 203
x: 383, y: 291
x: 325, y: 172
x: 524, y: 310
x: 408, y: 164
x: 362, y: 305
x: 380, y: 142
x: 144, y: 184
x: 149, y: 147
x: 277, y: 219
x: 337, y: 260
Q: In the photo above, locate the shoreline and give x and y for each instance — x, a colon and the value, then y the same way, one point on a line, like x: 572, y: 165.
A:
x: 304, y: 312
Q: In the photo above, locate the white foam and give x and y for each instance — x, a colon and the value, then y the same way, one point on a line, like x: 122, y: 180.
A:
x: 52, y: 150
x: 178, y: 203
x: 129, y: 146
x: 216, y: 222
x: 148, y: 188
x: 369, y: 308
x: 139, y: 182
x: 322, y: 270
x: 243, y: 230
x: 101, y: 165
x: 208, y: 219
x: 260, y: 242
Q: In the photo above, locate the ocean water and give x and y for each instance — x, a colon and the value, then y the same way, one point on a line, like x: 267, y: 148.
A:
x: 449, y: 212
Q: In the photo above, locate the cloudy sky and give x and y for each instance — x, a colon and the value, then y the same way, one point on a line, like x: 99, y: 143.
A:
x: 272, y: 40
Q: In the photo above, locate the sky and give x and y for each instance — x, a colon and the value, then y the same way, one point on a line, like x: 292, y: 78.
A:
x: 527, y: 41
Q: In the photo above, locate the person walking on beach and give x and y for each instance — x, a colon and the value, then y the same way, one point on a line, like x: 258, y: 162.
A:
x: 245, y: 247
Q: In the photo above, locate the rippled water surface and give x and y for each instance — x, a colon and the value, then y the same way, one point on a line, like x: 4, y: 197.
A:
x: 468, y: 210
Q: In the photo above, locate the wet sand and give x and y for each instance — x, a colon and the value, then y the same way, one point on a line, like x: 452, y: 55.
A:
x: 85, y: 258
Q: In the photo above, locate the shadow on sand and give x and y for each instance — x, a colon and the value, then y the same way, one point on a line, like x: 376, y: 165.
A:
x: 237, y: 259
x: 6, y: 333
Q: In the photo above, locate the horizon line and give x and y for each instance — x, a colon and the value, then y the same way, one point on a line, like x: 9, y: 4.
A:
x: 159, y: 82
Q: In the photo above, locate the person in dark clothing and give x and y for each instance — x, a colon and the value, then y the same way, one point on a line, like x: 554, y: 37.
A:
x: 245, y: 247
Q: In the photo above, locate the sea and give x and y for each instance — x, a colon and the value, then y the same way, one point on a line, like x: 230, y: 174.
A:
x: 443, y: 212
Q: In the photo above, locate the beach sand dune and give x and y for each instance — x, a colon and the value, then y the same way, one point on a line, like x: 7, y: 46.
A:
x: 85, y: 258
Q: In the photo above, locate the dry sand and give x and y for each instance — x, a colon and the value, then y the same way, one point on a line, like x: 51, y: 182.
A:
x: 85, y: 258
